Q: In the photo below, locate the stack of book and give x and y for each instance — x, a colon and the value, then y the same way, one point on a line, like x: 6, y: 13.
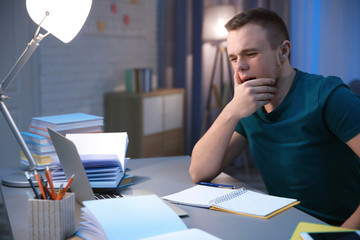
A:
x: 38, y: 140
x: 40, y: 147
x: 101, y: 177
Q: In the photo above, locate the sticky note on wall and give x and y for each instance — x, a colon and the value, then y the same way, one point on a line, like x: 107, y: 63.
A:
x: 101, y: 26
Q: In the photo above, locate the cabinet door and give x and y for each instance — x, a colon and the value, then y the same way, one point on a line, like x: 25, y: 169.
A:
x: 173, y: 115
x: 153, y: 115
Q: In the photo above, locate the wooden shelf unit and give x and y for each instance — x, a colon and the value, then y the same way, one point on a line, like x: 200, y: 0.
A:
x: 154, y: 121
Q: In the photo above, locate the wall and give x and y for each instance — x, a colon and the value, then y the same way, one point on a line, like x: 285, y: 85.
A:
x: 73, y: 77
x: 325, y: 37
x: 15, y: 26
x: 64, y: 78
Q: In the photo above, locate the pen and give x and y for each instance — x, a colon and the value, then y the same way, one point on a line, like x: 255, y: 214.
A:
x: 48, y: 177
x: 60, y: 195
x: 40, y: 184
x: 47, y: 192
x: 215, y: 185
x: 32, y: 184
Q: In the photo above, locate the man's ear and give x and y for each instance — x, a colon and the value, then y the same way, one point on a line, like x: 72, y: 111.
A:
x: 284, y: 50
x: 281, y: 56
x: 286, y: 47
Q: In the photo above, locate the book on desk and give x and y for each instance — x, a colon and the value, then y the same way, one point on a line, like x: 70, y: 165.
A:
x: 67, y: 121
x: 38, y: 140
x: 103, y: 158
x: 135, y: 217
x: 315, y: 227
x: 102, y: 175
x: 239, y: 201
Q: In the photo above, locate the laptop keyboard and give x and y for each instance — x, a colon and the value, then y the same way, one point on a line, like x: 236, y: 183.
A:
x: 99, y: 196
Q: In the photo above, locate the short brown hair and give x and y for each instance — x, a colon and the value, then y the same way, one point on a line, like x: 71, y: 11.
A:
x: 276, y: 29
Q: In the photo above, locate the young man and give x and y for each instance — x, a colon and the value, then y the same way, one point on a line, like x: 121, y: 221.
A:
x: 303, y: 129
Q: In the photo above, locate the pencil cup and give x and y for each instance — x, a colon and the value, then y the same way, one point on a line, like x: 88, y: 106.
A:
x: 51, y: 219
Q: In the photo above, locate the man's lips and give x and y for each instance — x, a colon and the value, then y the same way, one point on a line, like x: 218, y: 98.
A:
x: 247, y: 79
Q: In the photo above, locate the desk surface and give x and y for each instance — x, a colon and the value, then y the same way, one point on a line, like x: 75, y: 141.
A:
x: 167, y: 175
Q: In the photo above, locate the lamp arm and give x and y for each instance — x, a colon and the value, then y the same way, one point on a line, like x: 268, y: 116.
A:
x: 25, y: 56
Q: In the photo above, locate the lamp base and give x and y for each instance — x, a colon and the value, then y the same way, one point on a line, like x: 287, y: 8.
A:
x: 17, y: 179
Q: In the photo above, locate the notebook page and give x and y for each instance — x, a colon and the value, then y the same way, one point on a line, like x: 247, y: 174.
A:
x: 254, y: 203
x: 198, y: 196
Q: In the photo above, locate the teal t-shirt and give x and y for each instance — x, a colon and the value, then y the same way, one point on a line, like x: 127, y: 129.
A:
x: 300, y: 148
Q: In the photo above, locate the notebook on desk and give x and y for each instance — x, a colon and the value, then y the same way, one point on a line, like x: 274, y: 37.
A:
x: 239, y: 201
x: 71, y: 163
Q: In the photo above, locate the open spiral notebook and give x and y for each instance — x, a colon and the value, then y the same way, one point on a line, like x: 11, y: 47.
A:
x: 240, y: 201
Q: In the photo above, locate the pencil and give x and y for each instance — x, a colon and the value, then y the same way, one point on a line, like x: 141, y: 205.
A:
x: 61, y: 195
x: 40, y: 184
x: 48, y: 177
x: 60, y: 191
x: 32, y: 184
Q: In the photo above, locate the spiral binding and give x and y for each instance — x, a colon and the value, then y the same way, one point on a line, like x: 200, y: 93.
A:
x: 228, y: 196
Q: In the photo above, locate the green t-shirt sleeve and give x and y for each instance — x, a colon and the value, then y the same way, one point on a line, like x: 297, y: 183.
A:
x: 341, y: 109
x: 240, y: 129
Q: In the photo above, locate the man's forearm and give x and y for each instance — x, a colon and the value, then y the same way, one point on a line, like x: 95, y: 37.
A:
x: 208, y: 154
x: 353, y: 221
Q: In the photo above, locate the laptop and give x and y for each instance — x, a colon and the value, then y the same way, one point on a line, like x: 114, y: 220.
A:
x: 71, y: 163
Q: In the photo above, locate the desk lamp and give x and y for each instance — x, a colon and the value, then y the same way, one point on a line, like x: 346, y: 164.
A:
x: 63, y: 19
x: 214, y: 31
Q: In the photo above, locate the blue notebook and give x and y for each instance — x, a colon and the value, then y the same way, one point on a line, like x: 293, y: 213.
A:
x: 67, y: 121
x: 35, y: 138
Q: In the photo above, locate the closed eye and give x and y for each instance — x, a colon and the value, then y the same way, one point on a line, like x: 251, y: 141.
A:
x: 251, y: 54
x: 232, y: 58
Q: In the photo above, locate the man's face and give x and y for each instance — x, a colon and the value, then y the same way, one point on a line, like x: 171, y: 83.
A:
x: 251, y: 55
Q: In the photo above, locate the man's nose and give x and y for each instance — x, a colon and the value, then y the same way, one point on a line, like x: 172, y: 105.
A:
x: 241, y: 66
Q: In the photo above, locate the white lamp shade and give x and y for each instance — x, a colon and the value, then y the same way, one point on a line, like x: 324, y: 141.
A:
x: 66, y: 17
x: 215, y: 18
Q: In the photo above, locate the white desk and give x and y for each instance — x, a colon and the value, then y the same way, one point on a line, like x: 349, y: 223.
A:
x: 168, y: 175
